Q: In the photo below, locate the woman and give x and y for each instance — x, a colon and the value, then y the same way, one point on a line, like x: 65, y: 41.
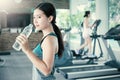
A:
x: 86, y: 34
x: 42, y: 57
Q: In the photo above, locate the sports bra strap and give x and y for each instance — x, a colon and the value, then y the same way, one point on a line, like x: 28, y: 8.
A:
x: 52, y: 34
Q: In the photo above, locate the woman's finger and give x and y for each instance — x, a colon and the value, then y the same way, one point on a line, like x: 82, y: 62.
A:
x: 23, y: 36
x: 21, y: 39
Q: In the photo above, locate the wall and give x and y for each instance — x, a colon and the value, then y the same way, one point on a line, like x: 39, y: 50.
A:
x: 7, y: 40
x: 27, y: 6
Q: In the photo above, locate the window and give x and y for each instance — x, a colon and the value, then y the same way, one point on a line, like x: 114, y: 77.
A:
x: 114, y: 13
x: 18, y: 20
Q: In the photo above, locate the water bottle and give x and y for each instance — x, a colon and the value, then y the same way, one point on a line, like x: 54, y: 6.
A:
x: 26, y: 31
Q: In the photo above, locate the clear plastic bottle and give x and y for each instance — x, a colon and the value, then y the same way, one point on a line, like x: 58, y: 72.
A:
x: 26, y: 31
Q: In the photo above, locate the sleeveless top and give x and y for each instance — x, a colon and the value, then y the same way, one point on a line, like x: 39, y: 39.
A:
x: 37, y: 75
x: 86, y: 31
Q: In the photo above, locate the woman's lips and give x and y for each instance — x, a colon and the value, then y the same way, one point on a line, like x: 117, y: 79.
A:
x: 36, y: 26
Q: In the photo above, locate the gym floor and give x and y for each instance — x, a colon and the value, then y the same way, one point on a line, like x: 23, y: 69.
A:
x: 18, y: 67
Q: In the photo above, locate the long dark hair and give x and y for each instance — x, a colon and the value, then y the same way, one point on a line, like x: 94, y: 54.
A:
x: 86, y: 13
x: 49, y: 10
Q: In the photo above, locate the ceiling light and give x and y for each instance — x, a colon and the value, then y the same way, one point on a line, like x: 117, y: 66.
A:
x: 18, y: 1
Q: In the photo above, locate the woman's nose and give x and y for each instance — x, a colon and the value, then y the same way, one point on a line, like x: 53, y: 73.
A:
x: 35, y: 21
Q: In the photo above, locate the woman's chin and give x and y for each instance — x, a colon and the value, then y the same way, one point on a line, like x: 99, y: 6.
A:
x: 36, y: 30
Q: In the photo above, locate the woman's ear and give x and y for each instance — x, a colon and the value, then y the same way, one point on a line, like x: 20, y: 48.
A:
x: 50, y: 18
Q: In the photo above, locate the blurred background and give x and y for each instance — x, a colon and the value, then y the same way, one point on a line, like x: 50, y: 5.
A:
x: 16, y: 14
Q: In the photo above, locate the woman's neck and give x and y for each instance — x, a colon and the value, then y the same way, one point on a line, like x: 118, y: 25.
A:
x: 47, y: 30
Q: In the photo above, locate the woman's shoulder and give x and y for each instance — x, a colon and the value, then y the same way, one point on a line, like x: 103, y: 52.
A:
x: 50, y: 40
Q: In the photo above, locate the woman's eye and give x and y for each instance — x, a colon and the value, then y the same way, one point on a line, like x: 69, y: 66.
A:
x: 39, y: 17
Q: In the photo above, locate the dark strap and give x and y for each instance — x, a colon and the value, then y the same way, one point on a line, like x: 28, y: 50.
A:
x: 52, y: 34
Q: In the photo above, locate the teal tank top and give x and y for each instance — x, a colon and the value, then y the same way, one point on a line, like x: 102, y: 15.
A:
x: 37, y: 75
x: 38, y: 50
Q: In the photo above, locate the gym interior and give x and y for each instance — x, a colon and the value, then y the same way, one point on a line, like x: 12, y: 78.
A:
x: 16, y: 14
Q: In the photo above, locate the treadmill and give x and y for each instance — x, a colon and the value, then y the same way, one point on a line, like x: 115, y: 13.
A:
x: 108, y: 70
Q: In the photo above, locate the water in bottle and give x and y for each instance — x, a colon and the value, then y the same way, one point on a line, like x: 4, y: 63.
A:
x: 26, y: 31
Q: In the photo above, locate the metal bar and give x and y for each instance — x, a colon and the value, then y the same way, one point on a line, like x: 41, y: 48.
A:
x: 91, y: 73
x: 101, y: 77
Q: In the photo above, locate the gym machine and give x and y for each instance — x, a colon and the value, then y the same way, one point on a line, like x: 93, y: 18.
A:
x: 106, y: 70
x: 67, y: 58
x: 95, y: 37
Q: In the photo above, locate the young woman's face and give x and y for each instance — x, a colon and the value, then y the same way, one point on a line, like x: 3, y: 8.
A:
x: 40, y: 20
